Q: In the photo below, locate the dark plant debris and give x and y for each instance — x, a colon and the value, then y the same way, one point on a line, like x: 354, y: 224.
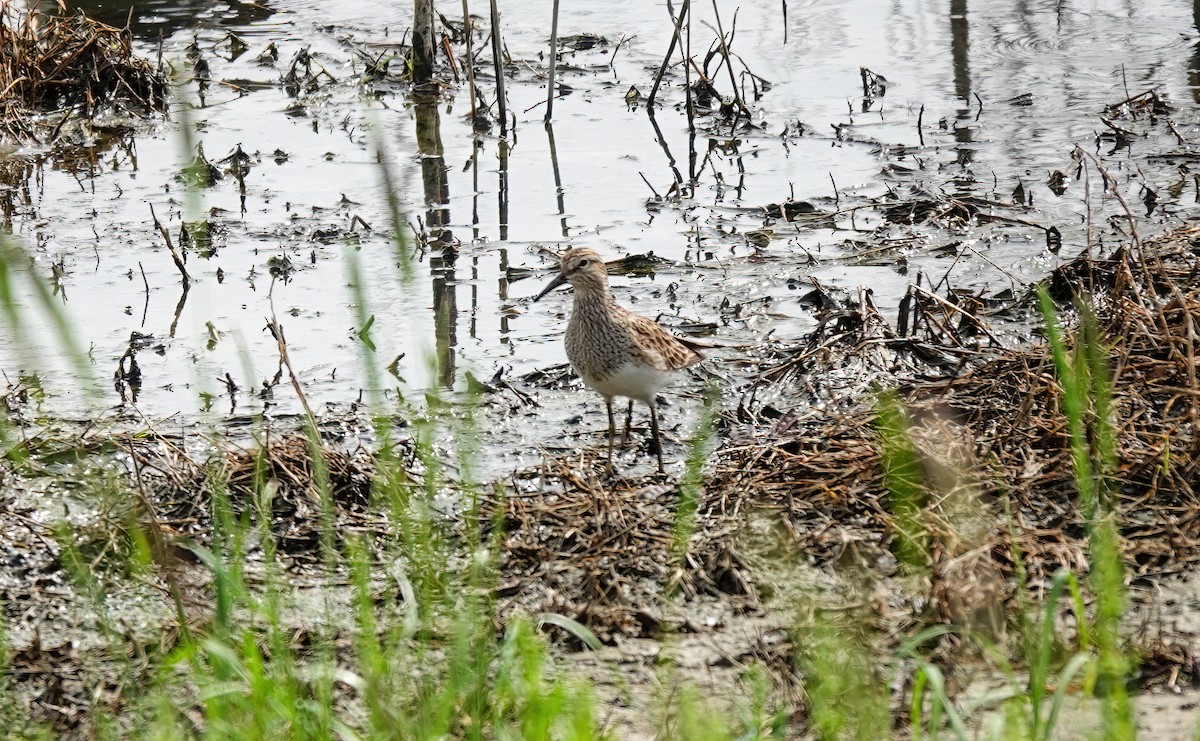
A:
x: 990, y: 438
x: 68, y: 65
x: 605, y: 554
x: 278, y: 483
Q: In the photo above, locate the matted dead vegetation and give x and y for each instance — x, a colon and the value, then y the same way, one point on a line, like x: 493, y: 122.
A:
x: 64, y: 64
x: 983, y: 423
x: 606, y: 553
x: 993, y: 437
x: 280, y: 481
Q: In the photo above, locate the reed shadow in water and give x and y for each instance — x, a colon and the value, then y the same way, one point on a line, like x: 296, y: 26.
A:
x: 440, y: 239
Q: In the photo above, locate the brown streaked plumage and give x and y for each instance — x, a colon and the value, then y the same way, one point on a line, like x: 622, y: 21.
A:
x: 614, y: 351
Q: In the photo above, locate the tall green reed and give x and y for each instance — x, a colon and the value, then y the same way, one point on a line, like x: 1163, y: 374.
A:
x: 691, y: 485
x: 1086, y: 383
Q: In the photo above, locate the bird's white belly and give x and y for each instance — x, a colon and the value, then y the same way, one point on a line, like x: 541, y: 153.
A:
x: 633, y: 380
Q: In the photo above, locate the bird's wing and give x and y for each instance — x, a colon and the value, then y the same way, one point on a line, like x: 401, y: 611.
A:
x: 658, y: 348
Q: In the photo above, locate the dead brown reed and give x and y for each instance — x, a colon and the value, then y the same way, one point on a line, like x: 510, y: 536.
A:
x: 68, y: 64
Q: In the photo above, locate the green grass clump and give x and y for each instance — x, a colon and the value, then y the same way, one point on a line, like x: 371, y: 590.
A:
x: 1043, y: 666
x: 903, y: 478
x: 403, y: 667
x: 847, y: 695
x: 1087, y: 403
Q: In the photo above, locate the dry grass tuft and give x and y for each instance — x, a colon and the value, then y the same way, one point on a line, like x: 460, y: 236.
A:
x: 605, y: 555
x: 55, y: 63
x: 996, y: 430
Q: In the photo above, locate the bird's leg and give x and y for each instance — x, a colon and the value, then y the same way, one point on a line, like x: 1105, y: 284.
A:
x: 654, y: 429
x: 612, y: 431
x: 628, y: 422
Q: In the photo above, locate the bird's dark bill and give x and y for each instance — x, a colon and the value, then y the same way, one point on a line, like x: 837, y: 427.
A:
x: 558, y: 281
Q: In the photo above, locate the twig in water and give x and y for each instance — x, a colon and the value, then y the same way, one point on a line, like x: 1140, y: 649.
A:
x: 146, y: 305
x: 470, y: 63
x: 1116, y: 191
x: 558, y: 186
x: 920, y: 133
x: 187, y: 279
x: 276, y: 330
x: 1087, y: 203
x: 1121, y: 132
x: 1178, y: 137
x: 648, y: 185
x: 624, y: 40
x: 836, y: 197
x: 541, y: 103
x: 450, y: 58
x: 978, y: 100
x: 690, y: 99
x: 1125, y: 84
x: 662, y: 70
x: 728, y: 61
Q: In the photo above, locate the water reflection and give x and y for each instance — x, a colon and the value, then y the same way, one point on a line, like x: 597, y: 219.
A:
x: 959, y: 48
x: 961, y: 60
x: 474, y: 165
x: 436, y: 189
x: 662, y: 142
x: 558, y: 186
x: 502, y: 294
x: 434, y: 181
x: 943, y: 56
x: 502, y: 149
x: 1194, y: 66
x: 445, y: 318
x: 149, y: 18
x: 15, y: 175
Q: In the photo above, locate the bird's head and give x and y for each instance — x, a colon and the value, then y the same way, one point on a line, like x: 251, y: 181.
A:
x: 583, y: 269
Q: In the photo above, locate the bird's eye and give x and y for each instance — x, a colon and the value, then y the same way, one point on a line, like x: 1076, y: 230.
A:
x: 584, y: 262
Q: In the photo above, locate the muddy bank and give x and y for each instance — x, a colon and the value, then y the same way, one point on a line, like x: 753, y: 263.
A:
x: 788, y: 525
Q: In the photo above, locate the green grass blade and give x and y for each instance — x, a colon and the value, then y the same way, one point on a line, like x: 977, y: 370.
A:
x: 574, y: 627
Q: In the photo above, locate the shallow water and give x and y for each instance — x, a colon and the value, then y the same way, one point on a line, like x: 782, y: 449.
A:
x: 1002, y: 91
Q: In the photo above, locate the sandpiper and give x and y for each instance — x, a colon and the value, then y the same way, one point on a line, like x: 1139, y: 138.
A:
x: 614, y: 351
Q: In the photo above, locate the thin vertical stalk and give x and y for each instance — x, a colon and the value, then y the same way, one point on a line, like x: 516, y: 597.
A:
x: 1087, y: 402
x: 662, y: 70
x: 691, y: 487
x: 553, y: 63
x: 467, y: 31
x: 737, y: 97
x: 502, y: 191
x: 558, y: 186
x: 498, y: 61
x: 690, y: 101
